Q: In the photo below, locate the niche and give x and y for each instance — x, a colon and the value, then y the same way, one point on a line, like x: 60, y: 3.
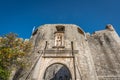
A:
x: 59, y: 39
x: 59, y: 36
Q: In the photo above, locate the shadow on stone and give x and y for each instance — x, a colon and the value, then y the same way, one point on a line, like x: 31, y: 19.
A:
x: 57, y: 72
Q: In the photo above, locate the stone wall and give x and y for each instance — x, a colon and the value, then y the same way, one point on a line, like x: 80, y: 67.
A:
x: 86, y: 57
x: 105, y: 49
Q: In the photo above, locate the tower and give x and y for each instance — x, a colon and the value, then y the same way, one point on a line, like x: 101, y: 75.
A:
x: 62, y: 53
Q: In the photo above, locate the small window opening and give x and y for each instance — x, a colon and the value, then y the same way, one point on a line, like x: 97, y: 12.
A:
x: 80, y: 31
x: 60, y: 28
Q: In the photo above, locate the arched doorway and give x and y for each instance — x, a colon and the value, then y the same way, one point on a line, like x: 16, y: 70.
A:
x: 57, y: 71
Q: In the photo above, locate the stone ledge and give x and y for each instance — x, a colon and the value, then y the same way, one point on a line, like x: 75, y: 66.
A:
x: 58, y: 47
x: 58, y: 56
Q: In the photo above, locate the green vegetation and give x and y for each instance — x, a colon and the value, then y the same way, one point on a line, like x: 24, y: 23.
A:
x: 12, y: 52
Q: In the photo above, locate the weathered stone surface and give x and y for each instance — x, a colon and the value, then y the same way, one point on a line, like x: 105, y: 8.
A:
x: 105, y: 49
x: 66, y: 52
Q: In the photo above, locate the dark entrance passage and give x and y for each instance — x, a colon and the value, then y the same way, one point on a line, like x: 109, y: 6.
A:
x: 57, y: 72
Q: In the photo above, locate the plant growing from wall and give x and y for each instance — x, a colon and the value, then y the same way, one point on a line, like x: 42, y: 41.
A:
x: 12, y: 53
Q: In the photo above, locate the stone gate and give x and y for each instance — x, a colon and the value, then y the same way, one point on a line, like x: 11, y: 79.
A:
x: 62, y: 46
x: 66, y: 52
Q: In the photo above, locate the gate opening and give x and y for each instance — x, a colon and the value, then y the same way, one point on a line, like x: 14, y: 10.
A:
x: 57, y: 71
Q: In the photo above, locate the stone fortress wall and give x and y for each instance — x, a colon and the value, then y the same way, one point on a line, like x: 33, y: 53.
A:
x: 66, y: 51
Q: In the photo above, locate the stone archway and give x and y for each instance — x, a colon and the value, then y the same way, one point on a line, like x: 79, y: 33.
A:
x: 57, y: 71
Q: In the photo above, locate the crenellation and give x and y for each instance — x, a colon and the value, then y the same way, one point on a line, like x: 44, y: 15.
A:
x: 109, y: 27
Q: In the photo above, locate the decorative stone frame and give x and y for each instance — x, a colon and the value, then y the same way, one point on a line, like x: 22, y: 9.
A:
x: 59, y: 39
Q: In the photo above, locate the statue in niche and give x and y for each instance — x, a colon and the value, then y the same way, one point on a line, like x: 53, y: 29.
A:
x: 58, y: 41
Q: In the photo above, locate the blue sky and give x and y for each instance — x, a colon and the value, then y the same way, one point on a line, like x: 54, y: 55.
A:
x: 20, y: 16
